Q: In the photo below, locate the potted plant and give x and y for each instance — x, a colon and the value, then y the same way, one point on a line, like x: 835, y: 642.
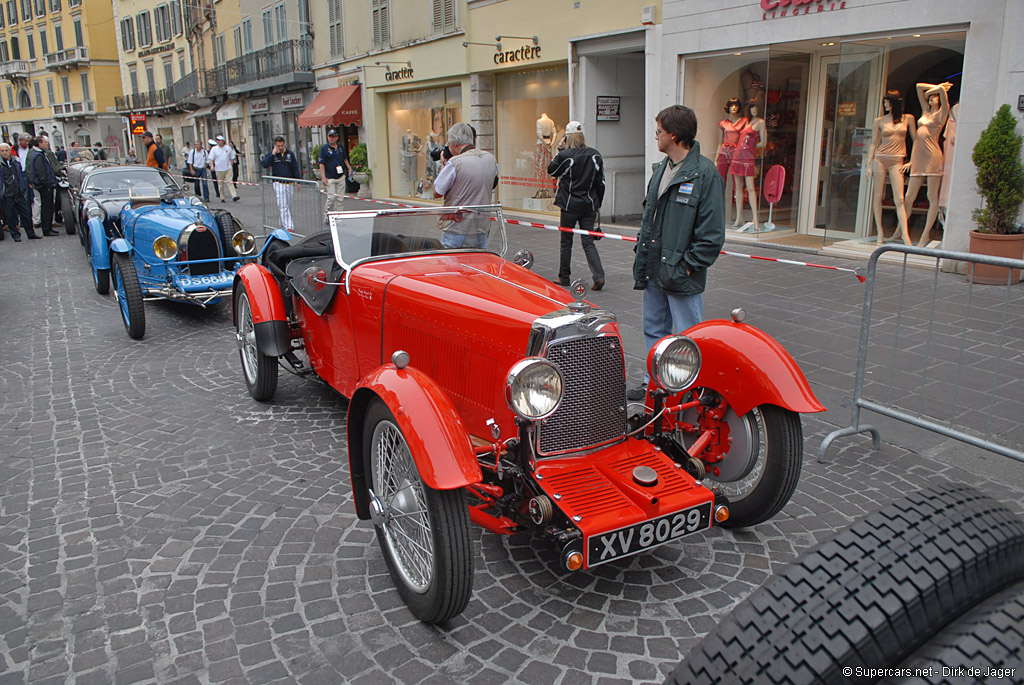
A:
x: 361, y: 170
x: 1001, y: 182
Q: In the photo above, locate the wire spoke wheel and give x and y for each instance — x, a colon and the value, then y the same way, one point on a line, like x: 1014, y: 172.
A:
x: 259, y: 370
x: 423, y: 532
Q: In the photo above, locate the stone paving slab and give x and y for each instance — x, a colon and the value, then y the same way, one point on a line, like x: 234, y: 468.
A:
x: 158, y: 526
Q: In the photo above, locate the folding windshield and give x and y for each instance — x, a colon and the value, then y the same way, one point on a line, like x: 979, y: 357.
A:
x: 364, y: 235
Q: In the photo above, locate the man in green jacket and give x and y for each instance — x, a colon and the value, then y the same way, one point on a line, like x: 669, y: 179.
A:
x: 682, y: 232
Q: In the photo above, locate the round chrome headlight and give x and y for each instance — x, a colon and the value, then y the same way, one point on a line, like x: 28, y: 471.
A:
x: 165, y: 248
x: 94, y: 211
x: 195, y: 200
x: 534, y: 388
x: 674, y: 362
x: 243, y: 242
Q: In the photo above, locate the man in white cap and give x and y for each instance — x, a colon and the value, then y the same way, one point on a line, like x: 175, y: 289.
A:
x: 221, y: 157
x: 211, y: 143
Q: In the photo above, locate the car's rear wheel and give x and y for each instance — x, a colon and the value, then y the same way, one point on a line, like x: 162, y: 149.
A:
x: 760, y: 471
x: 68, y: 213
x: 259, y: 370
x: 423, y: 532
x: 129, y: 294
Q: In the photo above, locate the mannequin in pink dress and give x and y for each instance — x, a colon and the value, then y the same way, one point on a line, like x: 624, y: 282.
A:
x: 888, y: 150
x: 731, y: 126
x: 744, y: 165
x: 926, y: 157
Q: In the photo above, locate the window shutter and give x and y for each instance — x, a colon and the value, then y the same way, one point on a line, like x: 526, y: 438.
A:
x: 437, y: 16
x: 449, y: 16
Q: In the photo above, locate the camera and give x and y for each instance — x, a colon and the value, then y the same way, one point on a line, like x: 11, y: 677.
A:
x: 437, y: 153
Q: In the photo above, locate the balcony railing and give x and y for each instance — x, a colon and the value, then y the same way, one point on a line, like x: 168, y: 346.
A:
x: 145, y: 102
x: 79, y: 108
x: 289, y: 57
x: 16, y: 69
x: 66, y: 58
x: 187, y: 87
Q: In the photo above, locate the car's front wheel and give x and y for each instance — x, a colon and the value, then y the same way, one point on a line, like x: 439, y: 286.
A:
x: 228, y: 226
x: 260, y: 370
x: 68, y: 212
x: 760, y: 471
x: 129, y: 294
x: 423, y: 532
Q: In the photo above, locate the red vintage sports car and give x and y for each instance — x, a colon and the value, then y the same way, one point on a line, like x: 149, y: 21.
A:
x: 479, y: 391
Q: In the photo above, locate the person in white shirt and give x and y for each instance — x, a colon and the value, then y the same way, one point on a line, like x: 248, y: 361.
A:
x: 197, y: 160
x: 221, y: 158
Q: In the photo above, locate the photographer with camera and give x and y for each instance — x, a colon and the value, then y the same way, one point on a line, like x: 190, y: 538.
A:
x: 334, y: 169
x: 467, y: 178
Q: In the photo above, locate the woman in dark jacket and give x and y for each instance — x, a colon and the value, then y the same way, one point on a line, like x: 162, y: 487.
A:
x: 580, y: 173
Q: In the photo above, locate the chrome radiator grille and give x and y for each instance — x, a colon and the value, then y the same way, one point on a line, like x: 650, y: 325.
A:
x: 593, y: 409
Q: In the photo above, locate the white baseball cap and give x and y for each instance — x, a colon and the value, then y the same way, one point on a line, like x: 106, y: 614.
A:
x: 574, y: 127
x: 220, y: 137
x: 211, y: 141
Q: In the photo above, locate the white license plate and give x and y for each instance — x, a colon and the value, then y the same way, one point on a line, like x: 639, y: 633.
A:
x: 642, y: 536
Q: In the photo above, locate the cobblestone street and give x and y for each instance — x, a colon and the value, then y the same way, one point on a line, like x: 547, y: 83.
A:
x: 159, y: 526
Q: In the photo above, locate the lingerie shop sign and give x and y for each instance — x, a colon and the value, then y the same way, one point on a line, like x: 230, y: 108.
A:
x: 776, y: 9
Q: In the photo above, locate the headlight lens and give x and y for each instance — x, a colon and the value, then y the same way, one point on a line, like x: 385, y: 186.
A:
x: 165, y: 248
x: 534, y: 388
x: 95, y: 211
x: 674, y: 362
x: 243, y: 242
x: 197, y: 201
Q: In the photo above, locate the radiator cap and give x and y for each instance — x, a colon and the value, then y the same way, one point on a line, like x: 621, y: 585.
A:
x: 645, y: 476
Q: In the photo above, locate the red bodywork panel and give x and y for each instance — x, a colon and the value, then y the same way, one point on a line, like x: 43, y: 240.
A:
x: 264, y: 294
x: 750, y: 368
x: 436, y: 436
x: 599, y: 488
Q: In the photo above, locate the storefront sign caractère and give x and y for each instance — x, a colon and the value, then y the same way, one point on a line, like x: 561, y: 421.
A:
x: 398, y: 74
x: 258, y: 106
x: 291, y: 101
x: 522, y: 54
x: 776, y: 9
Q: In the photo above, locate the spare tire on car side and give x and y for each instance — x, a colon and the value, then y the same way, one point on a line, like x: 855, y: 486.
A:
x: 869, y: 597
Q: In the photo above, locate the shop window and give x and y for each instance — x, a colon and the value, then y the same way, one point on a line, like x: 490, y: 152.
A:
x: 418, y: 122
x: 531, y: 111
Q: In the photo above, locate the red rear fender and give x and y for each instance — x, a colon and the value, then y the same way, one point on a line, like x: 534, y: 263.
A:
x: 269, y: 316
x: 750, y: 368
x: 433, y: 429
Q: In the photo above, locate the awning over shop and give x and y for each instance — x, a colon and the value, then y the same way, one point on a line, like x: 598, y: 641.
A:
x: 335, y: 106
x: 201, y: 112
x: 232, y: 110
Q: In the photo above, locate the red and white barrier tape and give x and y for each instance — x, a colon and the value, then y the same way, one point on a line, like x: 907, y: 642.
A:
x: 858, y: 273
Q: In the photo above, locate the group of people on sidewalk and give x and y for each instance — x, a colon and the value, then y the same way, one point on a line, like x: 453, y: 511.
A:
x: 221, y: 161
x: 28, y: 184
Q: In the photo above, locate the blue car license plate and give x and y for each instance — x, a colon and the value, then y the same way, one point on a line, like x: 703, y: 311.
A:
x: 647, y: 535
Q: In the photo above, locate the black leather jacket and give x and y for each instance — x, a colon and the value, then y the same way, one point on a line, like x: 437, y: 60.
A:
x: 580, y: 173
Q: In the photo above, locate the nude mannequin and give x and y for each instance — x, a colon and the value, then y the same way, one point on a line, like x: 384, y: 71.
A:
x: 926, y: 159
x: 886, y: 157
x: 744, y: 165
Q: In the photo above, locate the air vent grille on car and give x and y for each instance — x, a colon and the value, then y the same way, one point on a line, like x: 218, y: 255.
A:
x: 593, y: 409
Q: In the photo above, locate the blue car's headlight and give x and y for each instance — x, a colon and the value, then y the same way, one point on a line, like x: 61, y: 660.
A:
x: 197, y: 201
x: 165, y: 248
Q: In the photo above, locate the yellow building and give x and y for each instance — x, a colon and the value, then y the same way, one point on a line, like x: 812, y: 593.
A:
x: 60, y: 72
x: 510, y: 68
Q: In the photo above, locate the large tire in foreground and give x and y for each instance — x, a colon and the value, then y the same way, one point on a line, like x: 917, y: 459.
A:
x: 425, y: 532
x: 990, y: 636
x: 762, y: 468
x: 129, y: 294
x: 869, y: 597
x: 258, y: 369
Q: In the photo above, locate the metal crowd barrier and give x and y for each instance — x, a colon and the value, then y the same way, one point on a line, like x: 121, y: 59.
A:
x: 306, y: 205
x: 945, y: 356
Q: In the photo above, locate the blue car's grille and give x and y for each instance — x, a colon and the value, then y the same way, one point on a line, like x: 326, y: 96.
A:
x: 202, y: 245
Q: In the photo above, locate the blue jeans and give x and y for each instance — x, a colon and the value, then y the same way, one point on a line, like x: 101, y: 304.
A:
x: 449, y: 239
x: 665, y: 313
x: 200, y: 175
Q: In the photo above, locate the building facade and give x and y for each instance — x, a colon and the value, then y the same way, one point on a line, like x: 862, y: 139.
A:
x: 819, y: 70
x: 60, y: 72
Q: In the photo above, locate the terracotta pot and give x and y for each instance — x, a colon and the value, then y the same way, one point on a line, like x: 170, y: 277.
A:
x: 996, y: 245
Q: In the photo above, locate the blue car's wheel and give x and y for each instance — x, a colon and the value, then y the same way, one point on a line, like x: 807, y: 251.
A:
x: 100, y: 279
x: 129, y: 294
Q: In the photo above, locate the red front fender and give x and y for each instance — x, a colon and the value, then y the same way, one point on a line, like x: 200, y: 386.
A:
x: 437, y: 438
x: 270, y: 320
x: 750, y: 368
